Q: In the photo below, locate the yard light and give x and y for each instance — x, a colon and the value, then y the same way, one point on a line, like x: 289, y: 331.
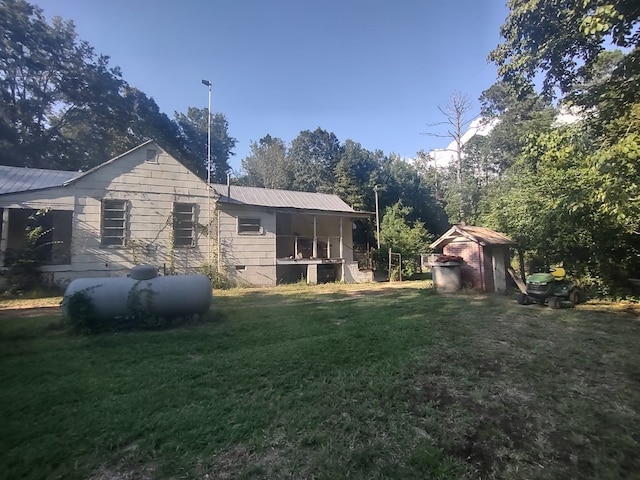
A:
x: 208, y: 84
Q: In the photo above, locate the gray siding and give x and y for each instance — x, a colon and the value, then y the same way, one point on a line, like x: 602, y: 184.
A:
x: 150, y: 188
x: 248, y: 258
x: 247, y: 249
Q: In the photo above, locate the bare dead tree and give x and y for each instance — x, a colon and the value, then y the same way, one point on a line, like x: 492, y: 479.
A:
x: 457, y: 118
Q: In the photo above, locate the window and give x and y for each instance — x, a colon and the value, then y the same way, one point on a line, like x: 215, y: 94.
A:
x: 184, y: 220
x: 249, y: 226
x: 152, y: 156
x: 114, y: 223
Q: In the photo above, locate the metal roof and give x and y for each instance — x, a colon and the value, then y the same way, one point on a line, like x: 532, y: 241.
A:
x: 482, y: 235
x: 265, y: 197
x: 21, y: 179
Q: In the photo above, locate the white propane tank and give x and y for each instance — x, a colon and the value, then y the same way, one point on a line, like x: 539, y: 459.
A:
x: 169, y: 296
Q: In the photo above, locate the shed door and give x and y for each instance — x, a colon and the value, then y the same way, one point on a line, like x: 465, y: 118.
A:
x: 499, y: 271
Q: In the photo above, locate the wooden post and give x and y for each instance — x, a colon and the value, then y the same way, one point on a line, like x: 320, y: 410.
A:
x: 4, y: 241
x: 341, y: 240
x: 521, y: 261
x: 315, y: 237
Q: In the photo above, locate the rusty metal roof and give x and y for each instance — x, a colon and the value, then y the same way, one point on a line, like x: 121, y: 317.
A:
x: 265, y: 197
x: 482, y: 235
x: 21, y: 179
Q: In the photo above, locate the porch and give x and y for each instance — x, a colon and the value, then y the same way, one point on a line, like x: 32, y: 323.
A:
x: 50, y: 231
x: 312, y: 247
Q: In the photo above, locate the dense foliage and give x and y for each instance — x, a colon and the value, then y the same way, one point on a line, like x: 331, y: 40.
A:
x: 559, y: 171
x: 62, y: 106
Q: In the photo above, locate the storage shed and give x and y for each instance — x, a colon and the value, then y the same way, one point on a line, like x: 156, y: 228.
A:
x: 486, y: 256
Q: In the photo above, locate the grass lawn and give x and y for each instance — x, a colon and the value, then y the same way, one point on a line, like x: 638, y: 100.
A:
x: 364, y: 382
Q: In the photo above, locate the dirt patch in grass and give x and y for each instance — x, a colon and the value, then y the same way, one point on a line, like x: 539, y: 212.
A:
x: 29, y: 307
x: 478, y: 431
x: 124, y: 471
x: 241, y: 461
x: 28, y: 312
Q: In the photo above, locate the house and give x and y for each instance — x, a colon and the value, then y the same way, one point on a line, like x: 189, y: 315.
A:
x: 146, y: 207
x: 280, y: 236
x: 486, y: 256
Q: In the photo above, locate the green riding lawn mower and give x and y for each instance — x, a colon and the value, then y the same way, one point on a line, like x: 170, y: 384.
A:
x: 552, y: 288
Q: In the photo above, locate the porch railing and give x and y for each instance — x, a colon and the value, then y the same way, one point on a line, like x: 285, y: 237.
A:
x: 298, y: 247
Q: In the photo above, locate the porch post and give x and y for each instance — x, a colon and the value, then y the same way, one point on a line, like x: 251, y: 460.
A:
x: 342, y: 264
x: 341, y: 240
x: 315, y: 237
x: 4, y: 240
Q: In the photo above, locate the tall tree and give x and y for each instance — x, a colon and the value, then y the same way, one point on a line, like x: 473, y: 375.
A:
x: 51, y: 85
x: 268, y: 165
x: 193, y: 127
x: 546, y: 203
x: 515, y: 118
x: 565, y: 42
x: 563, y: 39
x: 356, y: 174
x: 400, y: 181
x: 457, y: 118
x: 148, y: 122
x: 314, y: 156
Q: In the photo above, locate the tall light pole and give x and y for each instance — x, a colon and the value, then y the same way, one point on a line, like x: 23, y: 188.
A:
x: 208, y: 84
x: 375, y: 190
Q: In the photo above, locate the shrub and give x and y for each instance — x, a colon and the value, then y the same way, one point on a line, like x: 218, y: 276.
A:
x: 80, y: 313
x: 23, y: 273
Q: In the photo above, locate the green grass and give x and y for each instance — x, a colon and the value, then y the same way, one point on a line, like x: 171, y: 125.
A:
x: 325, y: 383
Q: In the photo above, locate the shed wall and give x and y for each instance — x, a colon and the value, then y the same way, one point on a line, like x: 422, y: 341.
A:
x: 477, y: 271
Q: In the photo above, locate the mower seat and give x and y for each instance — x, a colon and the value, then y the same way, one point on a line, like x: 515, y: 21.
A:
x: 558, y: 273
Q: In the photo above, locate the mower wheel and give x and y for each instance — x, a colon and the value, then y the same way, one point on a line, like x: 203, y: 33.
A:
x: 554, y: 302
x: 523, y: 299
x: 580, y: 294
x: 574, y: 297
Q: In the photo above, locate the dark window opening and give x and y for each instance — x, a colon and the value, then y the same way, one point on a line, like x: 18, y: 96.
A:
x: 249, y: 225
x: 152, y: 155
x: 184, y: 220
x: 51, y: 231
x: 114, y: 223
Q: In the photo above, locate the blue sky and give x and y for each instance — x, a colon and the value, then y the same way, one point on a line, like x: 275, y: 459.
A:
x: 373, y: 71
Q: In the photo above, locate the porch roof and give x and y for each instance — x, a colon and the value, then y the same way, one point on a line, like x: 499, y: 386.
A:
x: 22, y: 179
x: 284, y: 199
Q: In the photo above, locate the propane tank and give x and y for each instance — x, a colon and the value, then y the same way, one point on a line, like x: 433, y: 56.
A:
x: 162, y: 296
